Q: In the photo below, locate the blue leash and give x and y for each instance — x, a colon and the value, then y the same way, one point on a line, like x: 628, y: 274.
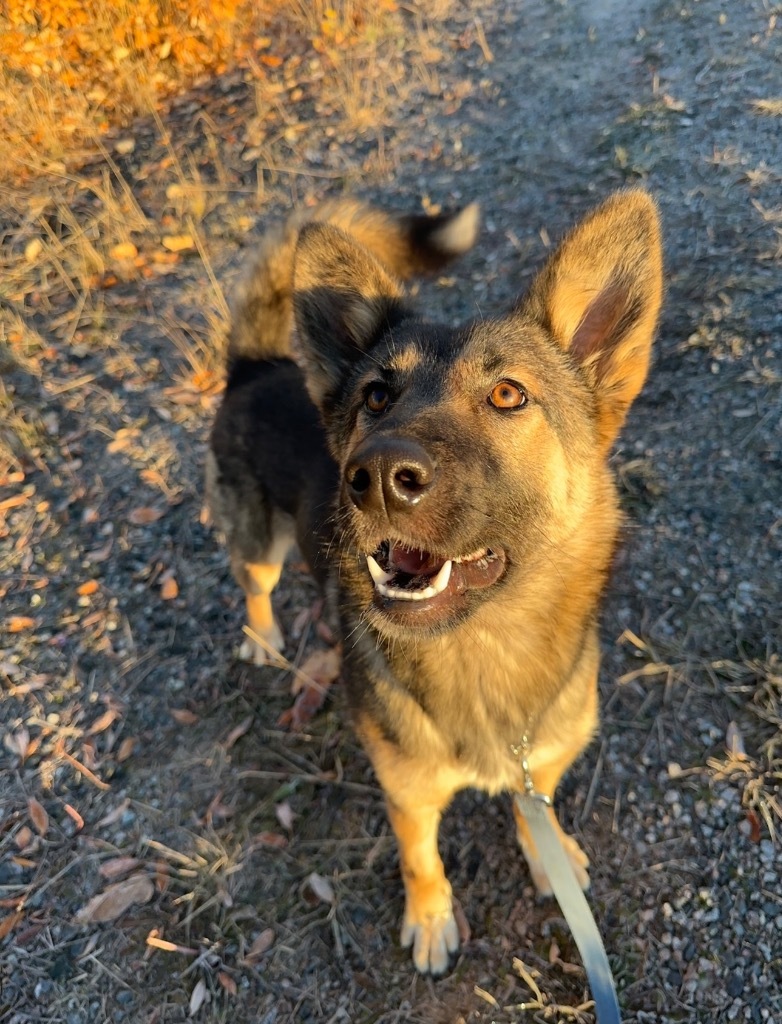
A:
x: 573, y: 904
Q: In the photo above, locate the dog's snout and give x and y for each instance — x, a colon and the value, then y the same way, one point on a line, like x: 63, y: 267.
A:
x: 389, y: 474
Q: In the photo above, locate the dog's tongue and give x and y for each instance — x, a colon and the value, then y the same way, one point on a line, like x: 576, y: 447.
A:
x: 412, y: 561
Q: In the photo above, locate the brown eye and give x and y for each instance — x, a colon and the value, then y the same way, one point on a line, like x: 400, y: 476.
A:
x: 377, y: 398
x: 507, y: 395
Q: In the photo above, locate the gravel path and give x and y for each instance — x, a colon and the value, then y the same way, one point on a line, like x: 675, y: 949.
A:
x: 540, y: 110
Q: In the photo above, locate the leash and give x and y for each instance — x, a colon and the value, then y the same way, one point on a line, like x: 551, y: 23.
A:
x: 572, y: 902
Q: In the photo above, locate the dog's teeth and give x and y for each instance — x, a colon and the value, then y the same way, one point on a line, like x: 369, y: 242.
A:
x: 473, y: 557
x: 440, y: 582
x: 378, y: 575
x: 436, y: 586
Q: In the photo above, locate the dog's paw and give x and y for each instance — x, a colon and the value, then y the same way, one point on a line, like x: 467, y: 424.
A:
x: 256, y: 653
x: 578, y: 860
x: 434, y: 937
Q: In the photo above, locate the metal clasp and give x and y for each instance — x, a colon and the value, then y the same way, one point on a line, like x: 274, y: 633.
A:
x: 521, y: 751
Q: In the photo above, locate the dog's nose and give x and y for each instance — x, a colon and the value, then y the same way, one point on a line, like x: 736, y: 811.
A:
x: 388, y: 473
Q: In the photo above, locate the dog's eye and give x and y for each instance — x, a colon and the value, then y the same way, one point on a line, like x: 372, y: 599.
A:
x: 377, y: 398
x: 507, y: 395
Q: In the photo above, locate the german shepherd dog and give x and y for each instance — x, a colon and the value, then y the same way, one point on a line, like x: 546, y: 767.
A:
x: 450, y: 489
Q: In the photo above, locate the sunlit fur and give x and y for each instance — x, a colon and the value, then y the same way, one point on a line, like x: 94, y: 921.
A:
x: 440, y: 693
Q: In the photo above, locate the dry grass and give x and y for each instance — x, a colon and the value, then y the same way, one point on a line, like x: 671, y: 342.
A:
x: 73, y: 227
x: 771, y: 107
x: 70, y: 69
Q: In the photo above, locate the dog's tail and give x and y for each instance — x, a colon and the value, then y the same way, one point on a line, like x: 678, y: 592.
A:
x: 262, y: 308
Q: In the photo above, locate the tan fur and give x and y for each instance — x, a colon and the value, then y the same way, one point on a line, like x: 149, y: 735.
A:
x: 439, y: 473
x: 262, y: 311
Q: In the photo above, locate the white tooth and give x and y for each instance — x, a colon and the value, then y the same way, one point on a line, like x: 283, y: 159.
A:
x: 378, y: 575
x: 440, y: 582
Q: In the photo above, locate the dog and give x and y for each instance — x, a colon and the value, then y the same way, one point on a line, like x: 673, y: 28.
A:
x: 451, y: 490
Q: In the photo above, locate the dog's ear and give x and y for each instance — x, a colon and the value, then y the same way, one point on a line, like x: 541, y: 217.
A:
x: 599, y: 295
x: 343, y: 300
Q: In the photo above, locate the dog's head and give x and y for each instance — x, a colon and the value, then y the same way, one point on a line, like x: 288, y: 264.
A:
x: 470, y: 456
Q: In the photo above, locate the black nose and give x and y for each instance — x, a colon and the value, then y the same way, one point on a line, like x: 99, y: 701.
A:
x: 389, y: 473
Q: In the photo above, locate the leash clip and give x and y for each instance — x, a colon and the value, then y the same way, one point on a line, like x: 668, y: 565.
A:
x: 521, y: 752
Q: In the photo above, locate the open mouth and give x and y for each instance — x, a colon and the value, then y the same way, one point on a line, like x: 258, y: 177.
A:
x: 423, y: 580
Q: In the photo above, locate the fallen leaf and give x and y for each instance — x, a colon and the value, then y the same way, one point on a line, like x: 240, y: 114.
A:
x: 101, y: 554
x: 183, y: 716
x: 322, y: 667
x: 162, y: 875
x: 116, y: 899
x: 311, y: 684
x: 169, y: 589
x: 126, y: 749
x: 115, y: 868
x: 38, y: 816
x: 10, y: 922
x: 321, y: 887
x: 33, y: 250
x: 178, y: 243
x: 199, y: 997
x: 17, y: 623
x: 227, y: 982
x: 146, y: 514
x: 285, y: 815
x: 18, y: 742
x: 261, y: 945
x: 238, y: 731
x: 25, y: 862
x: 23, y: 837
x: 154, y: 940
x: 74, y: 815
x: 123, y: 251
x: 103, y: 722
x: 273, y: 839
x: 90, y: 587
x: 114, y: 815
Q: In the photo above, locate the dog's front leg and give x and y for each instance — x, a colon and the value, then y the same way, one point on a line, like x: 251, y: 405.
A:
x: 429, y: 925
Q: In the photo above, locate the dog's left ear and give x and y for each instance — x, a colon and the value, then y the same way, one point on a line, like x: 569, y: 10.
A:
x: 343, y: 301
x: 599, y: 295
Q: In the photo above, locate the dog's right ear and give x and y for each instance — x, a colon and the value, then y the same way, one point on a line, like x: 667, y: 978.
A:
x: 343, y: 300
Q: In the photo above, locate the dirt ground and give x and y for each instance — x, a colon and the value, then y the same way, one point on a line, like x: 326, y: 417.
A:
x: 265, y: 885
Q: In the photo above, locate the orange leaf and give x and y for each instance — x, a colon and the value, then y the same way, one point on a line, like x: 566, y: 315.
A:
x: 88, y: 588
x: 183, y: 716
x: 74, y: 815
x: 126, y: 748
x: 19, y: 622
x: 23, y: 837
x: 102, y: 723
x: 169, y: 589
x: 178, y: 243
x: 271, y: 60
x: 144, y: 515
x: 123, y: 251
x: 38, y: 816
x: 10, y: 922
